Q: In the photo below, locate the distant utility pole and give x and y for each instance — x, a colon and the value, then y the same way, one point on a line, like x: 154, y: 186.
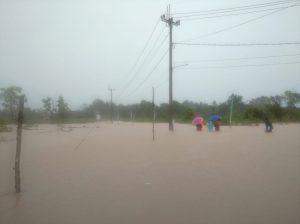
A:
x: 111, y: 103
x: 170, y: 22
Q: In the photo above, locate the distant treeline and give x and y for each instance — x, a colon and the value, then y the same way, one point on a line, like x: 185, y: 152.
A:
x: 279, y: 108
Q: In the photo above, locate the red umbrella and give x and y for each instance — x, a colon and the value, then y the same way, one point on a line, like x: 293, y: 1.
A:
x: 197, y: 120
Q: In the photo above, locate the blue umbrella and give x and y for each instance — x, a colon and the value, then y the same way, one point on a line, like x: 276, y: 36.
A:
x: 215, y: 118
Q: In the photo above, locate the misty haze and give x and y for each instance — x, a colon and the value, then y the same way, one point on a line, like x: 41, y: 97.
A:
x: 171, y: 112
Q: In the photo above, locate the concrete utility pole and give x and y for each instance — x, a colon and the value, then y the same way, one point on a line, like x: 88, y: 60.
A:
x: 111, y: 106
x: 170, y: 22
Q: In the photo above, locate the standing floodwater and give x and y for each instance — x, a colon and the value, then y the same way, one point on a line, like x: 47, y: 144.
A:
x: 119, y: 175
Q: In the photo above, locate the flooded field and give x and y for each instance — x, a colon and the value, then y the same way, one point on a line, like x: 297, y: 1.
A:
x: 116, y: 174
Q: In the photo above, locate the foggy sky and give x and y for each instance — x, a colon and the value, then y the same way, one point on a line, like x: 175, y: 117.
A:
x: 79, y: 49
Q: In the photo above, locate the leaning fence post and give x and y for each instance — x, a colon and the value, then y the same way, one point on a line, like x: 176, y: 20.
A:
x: 18, y: 150
x: 153, y: 121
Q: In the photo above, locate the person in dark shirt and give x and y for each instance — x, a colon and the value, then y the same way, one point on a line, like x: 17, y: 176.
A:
x: 269, y: 126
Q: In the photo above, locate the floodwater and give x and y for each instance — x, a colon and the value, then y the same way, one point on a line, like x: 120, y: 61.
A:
x: 115, y: 174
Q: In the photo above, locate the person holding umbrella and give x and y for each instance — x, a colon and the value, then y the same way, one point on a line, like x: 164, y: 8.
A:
x: 216, y: 119
x: 198, y: 121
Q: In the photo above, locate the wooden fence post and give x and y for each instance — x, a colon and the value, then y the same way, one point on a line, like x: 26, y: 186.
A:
x: 18, y: 150
x: 153, y: 122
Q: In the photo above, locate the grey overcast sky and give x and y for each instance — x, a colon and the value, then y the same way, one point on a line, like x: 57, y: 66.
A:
x: 80, y: 48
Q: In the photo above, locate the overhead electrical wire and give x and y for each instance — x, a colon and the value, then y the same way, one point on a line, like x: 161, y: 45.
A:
x: 232, y: 66
x: 237, y: 44
x: 146, y: 57
x: 232, y: 9
x: 134, y: 74
x: 240, y: 24
x: 216, y: 13
x: 237, y: 59
x: 149, y: 74
x: 226, y: 15
x: 240, y: 66
x: 129, y: 83
x: 144, y: 48
x: 155, y: 52
x: 155, y: 43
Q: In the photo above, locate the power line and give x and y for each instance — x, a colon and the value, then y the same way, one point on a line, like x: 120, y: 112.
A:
x: 226, y: 15
x: 143, y: 63
x: 244, y: 58
x: 240, y: 66
x: 231, y: 9
x: 159, y: 85
x: 145, y: 59
x: 237, y: 45
x: 144, y: 48
x: 149, y: 74
x: 154, y: 45
x: 164, y: 40
x: 240, y: 24
x: 147, y: 42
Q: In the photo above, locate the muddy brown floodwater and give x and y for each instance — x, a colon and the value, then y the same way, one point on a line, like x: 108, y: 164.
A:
x: 115, y: 174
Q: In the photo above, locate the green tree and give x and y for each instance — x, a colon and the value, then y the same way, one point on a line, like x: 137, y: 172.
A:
x: 261, y: 101
x: 49, y: 106
x: 292, y: 99
x: 254, y: 113
x: 188, y: 114
x: 144, y: 110
x: 10, y: 97
x: 214, y: 107
x: 237, y: 104
x: 236, y: 99
x: 62, y: 108
x: 275, y: 110
x: 276, y: 100
x: 99, y: 106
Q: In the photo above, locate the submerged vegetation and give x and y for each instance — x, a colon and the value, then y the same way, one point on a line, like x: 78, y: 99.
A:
x: 280, y: 108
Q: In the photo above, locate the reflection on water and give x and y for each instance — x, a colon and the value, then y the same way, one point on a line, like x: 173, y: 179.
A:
x: 18, y: 197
